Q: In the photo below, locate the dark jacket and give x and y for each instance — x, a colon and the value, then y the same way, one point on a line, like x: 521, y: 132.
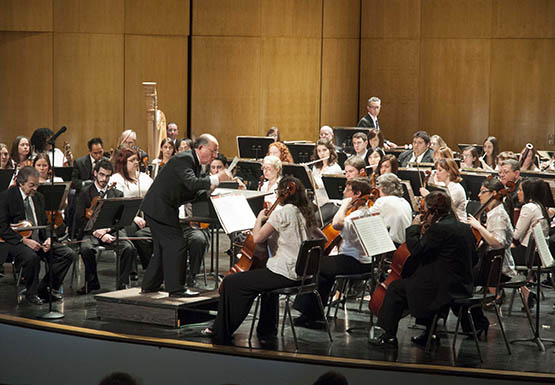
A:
x: 445, y: 255
x: 366, y: 121
x: 177, y: 182
x: 82, y: 171
x: 404, y: 158
x: 12, y: 211
x: 84, y: 201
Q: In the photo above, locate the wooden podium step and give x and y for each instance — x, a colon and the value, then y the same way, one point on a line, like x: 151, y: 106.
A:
x: 156, y: 308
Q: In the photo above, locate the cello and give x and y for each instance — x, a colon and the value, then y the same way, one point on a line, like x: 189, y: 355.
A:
x: 253, y: 255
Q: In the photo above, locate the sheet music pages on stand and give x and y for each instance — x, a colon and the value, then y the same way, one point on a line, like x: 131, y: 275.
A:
x: 543, y: 249
x: 233, y: 211
x: 373, y: 235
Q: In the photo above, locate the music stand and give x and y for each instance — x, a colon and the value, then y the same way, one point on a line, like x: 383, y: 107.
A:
x: 250, y: 171
x: 253, y: 147
x: 334, y: 185
x: 341, y: 158
x: 344, y: 137
x: 301, y: 152
x: 64, y: 173
x: 6, y: 176
x: 54, y: 196
x: 114, y: 213
x: 300, y: 172
x: 472, y: 183
x: 412, y: 175
x: 408, y: 194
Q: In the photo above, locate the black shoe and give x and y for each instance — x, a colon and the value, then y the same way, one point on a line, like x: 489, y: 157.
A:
x: 531, y: 301
x: 155, y: 290
x: 45, y: 295
x: 422, y: 340
x: 385, y: 341
x: 88, y: 288
x: 305, y: 322
x: 134, y: 276
x: 34, y: 299
x: 184, y: 294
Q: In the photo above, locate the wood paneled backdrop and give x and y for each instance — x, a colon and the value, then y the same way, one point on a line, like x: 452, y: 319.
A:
x: 464, y: 69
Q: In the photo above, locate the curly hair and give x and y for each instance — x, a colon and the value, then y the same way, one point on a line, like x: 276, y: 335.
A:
x: 438, y: 206
x: 284, y: 153
x: 331, y: 148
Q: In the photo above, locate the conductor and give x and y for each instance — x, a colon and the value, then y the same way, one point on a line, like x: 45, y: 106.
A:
x: 178, y: 182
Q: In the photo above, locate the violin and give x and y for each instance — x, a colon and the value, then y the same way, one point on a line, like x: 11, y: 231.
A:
x: 24, y: 228
x: 90, y: 210
x: 253, y: 255
x: 56, y: 216
x: 68, y: 155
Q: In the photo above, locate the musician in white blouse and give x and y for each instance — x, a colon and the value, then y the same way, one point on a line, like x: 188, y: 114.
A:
x: 271, y: 168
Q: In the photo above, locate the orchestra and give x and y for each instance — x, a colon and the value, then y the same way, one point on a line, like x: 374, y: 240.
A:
x: 171, y: 248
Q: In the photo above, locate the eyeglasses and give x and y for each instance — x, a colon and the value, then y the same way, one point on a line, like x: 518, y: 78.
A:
x: 484, y: 191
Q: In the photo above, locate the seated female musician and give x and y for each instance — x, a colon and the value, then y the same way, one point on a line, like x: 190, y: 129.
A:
x: 5, y: 160
x: 285, y: 230
x: 497, y: 234
x: 504, y: 155
x: 471, y: 159
x: 389, y: 163
x: 351, y: 258
x: 491, y: 149
x: 273, y: 132
x: 42, y: 164
x: 437, y: 142
x: 21, y: 152
x: 281, y: 151
x: 133, y: 184
x: 532, y: 194
x: 39, y: 143
x: 375, y: 138
x: 444, y: 250
x: 167, y: 149
x: 184, y: 144
x: 448, y: 173
x: 373, y: 159
x: 271, y: 169
x: 529, y: 164
x: 325, y: 149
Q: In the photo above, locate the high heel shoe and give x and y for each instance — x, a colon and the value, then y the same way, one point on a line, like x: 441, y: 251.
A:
x: 501, y: 299
x: 482, y: 329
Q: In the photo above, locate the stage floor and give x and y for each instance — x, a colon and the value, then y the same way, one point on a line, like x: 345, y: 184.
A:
x: 80, y: 311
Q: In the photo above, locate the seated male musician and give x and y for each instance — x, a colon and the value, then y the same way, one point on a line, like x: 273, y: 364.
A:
x: 442, y: 249
x: 100, y: 237
x: 83, y: 166
x: 351, y: 258
x: 421, y: 151
x: 360, y: 145
x: 509, y: 173
x: 23, y: 202
x: 353, y: 167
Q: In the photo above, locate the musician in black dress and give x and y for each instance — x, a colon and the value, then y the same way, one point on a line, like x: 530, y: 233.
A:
x: 23, y: 202
x: 443, y: 250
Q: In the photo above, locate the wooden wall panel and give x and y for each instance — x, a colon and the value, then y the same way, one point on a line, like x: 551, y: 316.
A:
x: 454, y: 89
x: 339, y: 100
x: 290, y: 94
x: 226, y: 17
x: 341, y: 18
x: 157, y: 17
x: 26, y: 15
x: 225, y: 89
x: 456, y: 18
x: 160, y: 59
x: 391, y: 19
x: 88, y: 87
x: 534, y: 18
x: 291, y: 18
x: 523, y: 93
x: 93, y: 16
x: 26, y: 78
x: 389, y: 70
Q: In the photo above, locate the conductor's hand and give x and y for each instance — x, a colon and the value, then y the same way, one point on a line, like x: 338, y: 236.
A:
x: 224, y: 175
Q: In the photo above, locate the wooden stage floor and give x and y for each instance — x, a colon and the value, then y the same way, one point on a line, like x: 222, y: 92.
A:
x: 526, y: 359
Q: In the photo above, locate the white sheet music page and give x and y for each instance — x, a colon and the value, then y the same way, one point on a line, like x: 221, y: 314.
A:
x: 541, y: 244
x: 373, y: 235
x: 233, y: 211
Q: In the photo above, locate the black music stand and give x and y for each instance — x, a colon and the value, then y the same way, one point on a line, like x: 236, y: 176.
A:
x: 253, y: 147
x: 414, y: 176
x: 250, y: 171
x: 344, y: 137
x: 64, y: 173
x: 301, y: 152
x: 54, y: 196
x: 116, y: 214
x: 5, y: 178
x: 472, y: 183
x: 334, y: 185
x: 300, y: 172
x: 341, y: 158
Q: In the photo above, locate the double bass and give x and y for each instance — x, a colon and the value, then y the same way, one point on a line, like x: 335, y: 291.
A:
x: 253, y: 255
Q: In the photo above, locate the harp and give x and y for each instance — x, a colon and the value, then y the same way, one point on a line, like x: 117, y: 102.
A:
x: 156, y: 120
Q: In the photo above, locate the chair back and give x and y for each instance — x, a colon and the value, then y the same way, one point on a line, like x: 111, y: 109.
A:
x: 495, y: 269
x: 308, y: 259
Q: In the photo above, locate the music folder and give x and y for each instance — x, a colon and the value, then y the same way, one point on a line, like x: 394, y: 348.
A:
x: 113, y: 213
x: 373, y: 235
x: 334, y: 185
x: 64, y: 173
x: 54, y: 194
x: 233, y: 211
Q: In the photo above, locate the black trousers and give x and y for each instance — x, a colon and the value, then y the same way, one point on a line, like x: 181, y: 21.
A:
x: 329, y: 268
x: 25, y: 258
x: 167, y: 263
x: 144, y: 246
x: 125, y: 250
x: 238, y: 293
x: 63, y: 258
x: 197, y: 244
x: 394, y: 307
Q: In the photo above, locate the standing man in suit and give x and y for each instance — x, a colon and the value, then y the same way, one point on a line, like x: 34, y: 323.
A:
x: 370, y: 120
x: 421, y: 151
x: 127, y: 253
x: 178, y: 182
x: 23, y: 202
x: 83, y: 166
x: 172, y: 131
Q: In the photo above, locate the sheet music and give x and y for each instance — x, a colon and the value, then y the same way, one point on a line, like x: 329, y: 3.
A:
x: 234, y: 212
x: 541, y: 244
x: 373, y: 235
